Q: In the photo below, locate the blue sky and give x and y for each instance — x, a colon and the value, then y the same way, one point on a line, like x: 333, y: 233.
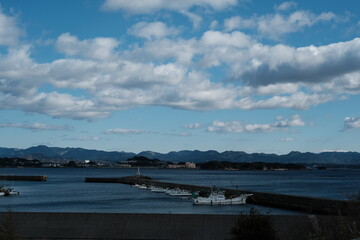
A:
x: 160, y: 75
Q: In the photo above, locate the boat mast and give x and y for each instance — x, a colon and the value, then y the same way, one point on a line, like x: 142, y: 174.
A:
x: 138, y: 172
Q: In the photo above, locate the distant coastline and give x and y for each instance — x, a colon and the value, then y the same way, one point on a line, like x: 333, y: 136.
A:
x: 72, y: 157
x: 144, y: 162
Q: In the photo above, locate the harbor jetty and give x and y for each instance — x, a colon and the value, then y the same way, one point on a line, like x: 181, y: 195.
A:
x: 308, y: 205
x: 23, y: 178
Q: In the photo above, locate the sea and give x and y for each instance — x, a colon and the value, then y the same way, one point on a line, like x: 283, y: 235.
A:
x: 66, y: 191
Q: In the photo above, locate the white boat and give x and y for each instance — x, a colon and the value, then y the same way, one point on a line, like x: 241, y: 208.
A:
x: 8, y: 192
x: 158, y: 189
x: 178, y: 192
x: 13, y: 193
x: 140, y: 186
x: 216, y: 198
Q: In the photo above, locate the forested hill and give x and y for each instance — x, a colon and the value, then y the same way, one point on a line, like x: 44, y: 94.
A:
x: 44, y: 153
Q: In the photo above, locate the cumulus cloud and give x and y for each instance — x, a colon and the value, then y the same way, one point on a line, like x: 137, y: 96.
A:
x: 275, y: 26
x: 152, y: 30
x: 98, y: 48
x: 181, y: 50
x: 124, y: 131
x: 238, y: 22
x: 351, y: 123
x: 234, y: 39
x: 114, y: 84
x: 194, y: 18
x: 239, y: 127
x: 10, y: 33
x: 14, y: 68
x: 286, y: 6
x: 294, y: 121
x: 33, y: 126
x: 55, y: 104
x: 149, y: 6
x: 226, y: 127
x: 306, y: 64
x: 96, y: 78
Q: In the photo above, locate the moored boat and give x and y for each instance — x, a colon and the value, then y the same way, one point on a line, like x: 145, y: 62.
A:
x: 142, y: 186
x: 179, y: 192
x: 158, y: 189
x: 218, y: 198
x: 7, y: 191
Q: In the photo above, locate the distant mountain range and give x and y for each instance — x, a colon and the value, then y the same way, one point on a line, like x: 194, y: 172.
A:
x: 44, y: 153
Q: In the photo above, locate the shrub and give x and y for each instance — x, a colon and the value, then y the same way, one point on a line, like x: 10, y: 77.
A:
x: 254, y: 226
x: 8, y: 228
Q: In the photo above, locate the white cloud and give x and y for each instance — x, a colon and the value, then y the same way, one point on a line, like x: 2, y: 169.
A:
x: 286, y: 6
x: 239, y: 127
x: 193, y: 126
x: 33, y: 126
x: 55, y: 104
x: 194, y: 18
x: 310, y: 64
x: 14, y: 68
x: 82, y: 138
x: 97, y: 48
x: 287, y: 139
x: 238, y: 22
x: 96, y: 78
x: 226, y: 127
x: 10, y: 33
x: 183, y: 51
x: 149, y: 6
x: 111, y: 85
x: 275, y: 26
x: 294, y: 121
x: 152, y: 30
x: 334, y: 150
x: 124, y: 131
x: 234, y: 39
x: 214, y: 24
x: 351, y: 122
x: 258, y: 127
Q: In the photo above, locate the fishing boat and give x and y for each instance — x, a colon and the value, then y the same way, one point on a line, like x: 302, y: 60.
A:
x: 179, y: 192
x: 218, y: 198
x: 7, y: 191
x: 140, y: 186
x: 158, y: 189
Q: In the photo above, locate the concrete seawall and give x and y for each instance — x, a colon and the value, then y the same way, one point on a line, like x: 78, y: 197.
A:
x: 144, y: 226
x: 299, y: 203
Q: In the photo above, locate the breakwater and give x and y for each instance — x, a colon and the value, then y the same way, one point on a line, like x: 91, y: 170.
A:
x: 309, y: 205
x: 22, y: 178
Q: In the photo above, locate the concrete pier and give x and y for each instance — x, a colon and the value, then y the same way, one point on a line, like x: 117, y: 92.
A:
x: 309, y: 205
x: 145, y: 226
x: 22, y: 178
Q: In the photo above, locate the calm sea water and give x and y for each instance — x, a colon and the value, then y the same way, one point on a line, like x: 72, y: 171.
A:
x: 66, y: 191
